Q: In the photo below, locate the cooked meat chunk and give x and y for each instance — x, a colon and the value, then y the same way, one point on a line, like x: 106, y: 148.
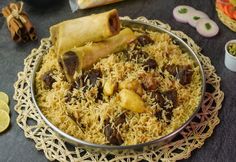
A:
x: 184, y: 75
x: 158, y: 98
x: 149, y: 82
x: 172, y: 96
x: 172, y: 69
x: 144, y: 40
x: 120, y: 120
x: 92, y: 76
x: 169, y: 114
x: 158, y: 115
x: 48, y: 80
x: 100, y: 92
x: 112, y: 135
x: 150, y: 64
x: 182, y: 72
x: 164, y: 114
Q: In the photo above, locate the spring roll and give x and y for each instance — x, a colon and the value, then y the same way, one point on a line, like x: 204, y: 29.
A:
x: 84, y: 57
x: 77, y: 32
x: 93, y: 3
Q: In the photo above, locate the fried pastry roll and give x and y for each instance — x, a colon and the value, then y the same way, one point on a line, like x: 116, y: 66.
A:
x: 93, y: 3
x: 84, y: 57
x: 77, y: 32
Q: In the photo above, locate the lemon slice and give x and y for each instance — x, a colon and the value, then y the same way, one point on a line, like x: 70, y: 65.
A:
x: 4, y: 106
x: 4, y: 97
x: 4, y: 120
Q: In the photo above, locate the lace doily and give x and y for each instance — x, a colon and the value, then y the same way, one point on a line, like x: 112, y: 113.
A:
x: 54, y: 148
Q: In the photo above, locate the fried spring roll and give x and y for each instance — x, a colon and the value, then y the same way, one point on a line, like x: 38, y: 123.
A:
x: 93, y: 3
x: 77, y: 32
x: 84, y: 57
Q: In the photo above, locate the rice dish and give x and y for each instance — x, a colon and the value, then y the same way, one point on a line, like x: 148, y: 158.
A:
x: 96, y: 107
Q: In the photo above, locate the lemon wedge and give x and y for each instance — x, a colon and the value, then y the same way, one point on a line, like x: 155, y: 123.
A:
x: 4, y: 120
x: 4, y: 97
x: 4, y: 106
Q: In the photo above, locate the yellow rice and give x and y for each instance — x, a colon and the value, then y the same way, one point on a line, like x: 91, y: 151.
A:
x: 139, y: 127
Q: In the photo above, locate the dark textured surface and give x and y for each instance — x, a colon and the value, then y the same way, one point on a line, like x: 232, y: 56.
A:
x: 221, y: 146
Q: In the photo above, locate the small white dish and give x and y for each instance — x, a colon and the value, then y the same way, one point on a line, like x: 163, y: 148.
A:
x: 230, y: 60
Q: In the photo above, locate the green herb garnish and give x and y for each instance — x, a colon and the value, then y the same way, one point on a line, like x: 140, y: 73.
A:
x: 196, y: 18
x: 232, y: 49
x: 208, y: 26
x: 183, y: 10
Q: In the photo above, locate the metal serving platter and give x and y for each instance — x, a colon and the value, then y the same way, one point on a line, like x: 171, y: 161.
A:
x: 157, y: 142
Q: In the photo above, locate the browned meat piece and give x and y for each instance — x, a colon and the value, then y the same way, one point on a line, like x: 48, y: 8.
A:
x: 168, y: 111
x: 169, y: 114
x: 150, y: 64
x: 144, y: 40
x: 158, y: 115
x: 183, y: 73
x: 93, y: 76
x: 172, y: 69
x: 48, y: 80
x: 112, y: 135
x: 99, y: 94
x: 120, y: 120
x: 149, y: 82
x: 159, y: 98
x: 172, y: 96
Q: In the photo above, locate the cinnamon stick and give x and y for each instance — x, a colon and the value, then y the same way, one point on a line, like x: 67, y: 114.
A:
x: 28, y: 25
x: 13, y: 25
x: 20, y: 27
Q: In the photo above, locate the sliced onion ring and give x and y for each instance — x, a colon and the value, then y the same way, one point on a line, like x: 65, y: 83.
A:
x: 207, y: 27
x: 181, y: 13
x: 195, y: 16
